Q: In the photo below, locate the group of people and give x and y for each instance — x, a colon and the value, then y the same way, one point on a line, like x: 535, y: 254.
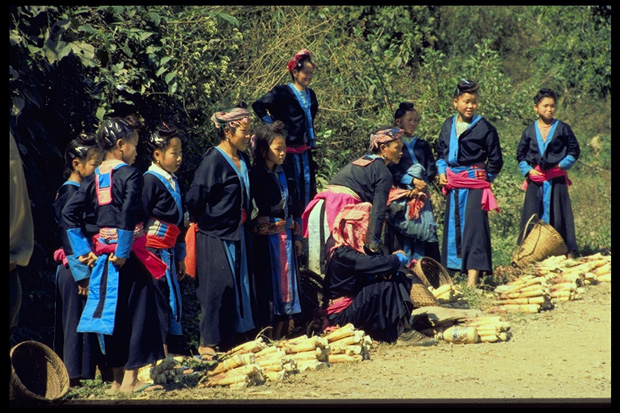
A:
x: 250, y: 220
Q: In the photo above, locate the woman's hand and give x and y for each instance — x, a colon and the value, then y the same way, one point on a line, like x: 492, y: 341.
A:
x: 419, y: 184
x: 83, y: 286
x: 180, y: 270
x: 298, y: 247
x: 88, y: 259
x: 534, y: 172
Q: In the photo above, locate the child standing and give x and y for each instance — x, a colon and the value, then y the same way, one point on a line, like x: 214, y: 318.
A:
x: 121, y: 306
x: 296, y: 105
x: 219, y: 202
x: 548, y: 148
x: 163, y: 208
x: 277, y: 239
x: 78, y: 351
x: 416, y: 169
x: 469, y: 157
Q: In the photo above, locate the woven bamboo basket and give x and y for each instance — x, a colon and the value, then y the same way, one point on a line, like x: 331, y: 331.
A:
x: 542, y: 242
x: 37, y: 373
x: 431, y: 273
x: 420, y: 294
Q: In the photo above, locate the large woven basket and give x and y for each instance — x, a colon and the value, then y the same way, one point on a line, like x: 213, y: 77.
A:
x: 431, y: 273
x: 420, y: 295
x: 542, y: 242
x: 37, y: 373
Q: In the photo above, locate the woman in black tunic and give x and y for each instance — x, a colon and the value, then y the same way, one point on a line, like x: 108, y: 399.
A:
x: 366, y: 179
x: 219, y: 202
x: 548, y: 148
x: 121, y: 305
x: 469, y: 157
x: 367, y: 289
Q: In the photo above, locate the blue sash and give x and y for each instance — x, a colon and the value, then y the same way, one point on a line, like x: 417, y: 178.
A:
x: 306, y: 109
x: 545, y: 188
x: 176, y: 193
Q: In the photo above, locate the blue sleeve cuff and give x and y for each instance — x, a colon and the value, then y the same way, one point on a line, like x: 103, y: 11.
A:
x: 78, y: 242
x: 567, y: 163
x: 179, y: 251
x: 125, y: 241
x: 406, y: 179
x: 491, y: 177
x: 80, y: 271
x: 441, y: 166
x: 267, y: 119
x: 525, y: 168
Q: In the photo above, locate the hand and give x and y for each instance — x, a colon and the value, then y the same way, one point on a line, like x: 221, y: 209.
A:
x: 117, y: 261
x: 298, y: 247
x: 83, y: 286
x: 419, y: 184
x: 443, y: 180
x: 412, y: 193
x: 534, y: 172
x: 88, y: 259
x: 180, y: 270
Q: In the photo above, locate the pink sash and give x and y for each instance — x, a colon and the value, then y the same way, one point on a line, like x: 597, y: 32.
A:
x: 462, y: 180
x: 546, y: 175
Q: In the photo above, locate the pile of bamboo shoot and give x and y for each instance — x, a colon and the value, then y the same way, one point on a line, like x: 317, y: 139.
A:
x: 590, y: 269
x: 526, y: 294
x: 449, y: 295
x: 348, y: 344
x: 490, y: 328
x: 168, y: 370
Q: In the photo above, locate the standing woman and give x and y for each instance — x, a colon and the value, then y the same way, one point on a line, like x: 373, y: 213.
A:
x: 165, y: 235
x: 366, y: 179
x: 414, y: 172
x: 548, y: 148
x: 218, y: 201
x: 469, y: 157
x: 78, y: 351
x: 296, y: 105
x: 121, y: 306
x: 277, y: 235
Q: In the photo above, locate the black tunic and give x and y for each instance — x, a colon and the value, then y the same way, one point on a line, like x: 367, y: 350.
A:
x: 563, y: 143
x: 380, y: 306
x: 372, y: 183
x: 136, y: 340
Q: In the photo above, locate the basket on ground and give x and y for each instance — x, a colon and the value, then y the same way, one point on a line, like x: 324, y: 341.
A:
x: 37, y: 373
x: 431, y: 273
x: 420, y: 295
x: 542, y: 242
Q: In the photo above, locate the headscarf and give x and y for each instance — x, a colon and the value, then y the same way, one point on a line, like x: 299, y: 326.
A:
x: 384, y: 136
x: 231, y: 117
x: 292, y: 64
x: 350, y: 227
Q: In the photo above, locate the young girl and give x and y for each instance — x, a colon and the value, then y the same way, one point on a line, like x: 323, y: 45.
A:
x: 78, y: 351
x: 548, y: 148
x: 219, y: 202
x: 469, y: 157
x: 121, y: 306
x: 417, y: 237
x: 296, y: 105
x: 366, y: 179
x: 163, y: 208
x: 277, y: 239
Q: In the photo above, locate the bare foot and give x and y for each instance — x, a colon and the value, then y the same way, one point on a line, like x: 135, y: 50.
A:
x: 207, y: 352
x: 139, y: 386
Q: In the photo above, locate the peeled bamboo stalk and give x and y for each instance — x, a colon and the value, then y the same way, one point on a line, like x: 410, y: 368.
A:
x: 248, y: 369
x: 533, y: 293
x: 523, y: 300
x: 344, y: 358
x: 605, y: 278
x: 253, y: 346
x: 560, y: 293
x: 306, y: 345
x: 276, y: 375
x: 482, y: 320
x: 232, y: 362
x: 311, y: 365
x: 516, y: 308
x: 603, y: 269
x: 228, y: 379
x: 356, y: 338
x: 440, y: 290
x: 345, y: 331
x: 563, y: 286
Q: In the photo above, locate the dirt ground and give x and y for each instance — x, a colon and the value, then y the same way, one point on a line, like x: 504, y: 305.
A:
x: 554, y: 357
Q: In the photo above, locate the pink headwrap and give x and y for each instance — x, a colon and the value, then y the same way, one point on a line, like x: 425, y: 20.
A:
x: 350, y: 226
x: 232, y: 117
x: 384, y: 136
x: 292, y: 64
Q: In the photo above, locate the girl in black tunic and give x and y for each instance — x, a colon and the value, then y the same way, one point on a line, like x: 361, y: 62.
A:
x: 78, y: 351
x: 469, y: 157
x: 121, y: 306
x: 165, y: 228
x: 417, y: 237
x: 219, y: 202
x: 548, y: 148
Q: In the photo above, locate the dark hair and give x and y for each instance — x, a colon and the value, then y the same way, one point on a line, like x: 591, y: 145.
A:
x: 84, y: 147
x: 466, y: 86
x: 301, y: 64
x: 161, y: 137
x: 403, y: 108
x: 264, y: 137
x: 221, y: 131
x: 545, y: 93
x: 113, y: 129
